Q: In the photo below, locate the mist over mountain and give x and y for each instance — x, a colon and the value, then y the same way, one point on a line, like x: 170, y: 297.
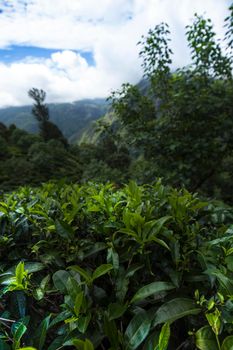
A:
x: 71, y: 118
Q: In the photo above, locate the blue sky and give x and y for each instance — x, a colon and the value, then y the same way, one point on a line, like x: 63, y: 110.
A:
x: 78, y: 49
x: 16, y: 53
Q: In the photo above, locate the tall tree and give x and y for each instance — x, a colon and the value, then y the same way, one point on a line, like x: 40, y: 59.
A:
x: 48, y: 130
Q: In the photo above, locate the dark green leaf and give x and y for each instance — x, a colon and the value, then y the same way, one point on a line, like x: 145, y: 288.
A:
x: 116, y: 310
x: 64, y: 230
x: 152, y: 342
x: 32, y: 267
x: 151, y: 289
x: 60, y: 317
x: 60, y: 279
x: 137, y: 330
x: 4, y: 345
x: 175, y: 309
x: 40, y: 335
x: 111, y: 332
x: 20, y: 302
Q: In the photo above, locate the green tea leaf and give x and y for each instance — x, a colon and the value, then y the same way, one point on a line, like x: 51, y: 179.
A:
x: 79, y: 344
x: 59, y: 342
x: 101, y: 270
x: 19, y: 303
x: 225, y: 282
x: 60, y: 279
x: 19, y: 273
x: 18, y: 330
x: 60, y: 317
x: 88, y: 345
x: 164, y: 336
x: 40, y: 334
x: 214, y: 320
x: 151, y: 289
x: 229, y: 262
x: 175, y: 309
x: 227, y: 343
x: 158, y: 224
x: 110, y: 330
x: 116, y: 310
x: 205, y: 339
x: 83, y: 345
x: 137, y: 330
x: 83, y: 322
x: 113, y: 258
x: 32, y: 267
x: 96, y: 248
x: 161, y: 242
x: 73, y: 287
x: 85, y: 274
x: 78, y: 303
x: 152, y: 342
x: 64, y: 230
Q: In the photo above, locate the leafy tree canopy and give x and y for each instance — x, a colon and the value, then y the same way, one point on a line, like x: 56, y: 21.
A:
x: 183, y: 123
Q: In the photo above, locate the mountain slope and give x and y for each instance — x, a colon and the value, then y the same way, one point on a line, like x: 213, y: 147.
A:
x: 92, y: 132
x: 71, y: 118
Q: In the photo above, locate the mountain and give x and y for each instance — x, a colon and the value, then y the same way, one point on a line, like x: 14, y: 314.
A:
x: 71, y: 118
x: 92, y: 133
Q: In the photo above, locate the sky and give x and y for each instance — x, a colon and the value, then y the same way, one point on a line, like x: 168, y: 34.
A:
x: 75, y: 49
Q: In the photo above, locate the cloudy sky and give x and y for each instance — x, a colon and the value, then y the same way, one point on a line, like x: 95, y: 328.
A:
x: 78, y: 49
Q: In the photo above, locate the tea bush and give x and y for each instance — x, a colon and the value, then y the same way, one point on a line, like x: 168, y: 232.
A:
x: 100, y: 267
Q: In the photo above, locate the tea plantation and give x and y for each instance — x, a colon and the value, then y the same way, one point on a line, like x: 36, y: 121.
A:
x: 100, y: 267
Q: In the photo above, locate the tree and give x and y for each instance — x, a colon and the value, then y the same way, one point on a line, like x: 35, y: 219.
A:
x: 48, y: 130
x: 3, y: 130
x: 51, y: 160
x: 3, y: 148
x: 183, y: 125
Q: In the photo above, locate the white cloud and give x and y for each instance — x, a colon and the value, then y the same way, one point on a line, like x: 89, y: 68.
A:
x: 66, y: 76
x: 108, y: 28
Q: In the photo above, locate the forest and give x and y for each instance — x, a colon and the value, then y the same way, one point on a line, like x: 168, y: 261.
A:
x: 123, y: 238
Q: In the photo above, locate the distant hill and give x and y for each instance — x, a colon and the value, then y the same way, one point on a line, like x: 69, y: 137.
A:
x: 71, y: 118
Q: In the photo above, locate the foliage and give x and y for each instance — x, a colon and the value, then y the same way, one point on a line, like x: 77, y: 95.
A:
x: 38, y: 161
x: 107, y: 266
x: 93, y: 267
x: 39, y: 110
x: 71, y: 118
x: 182, y: 124
x: 26, y: 158
x: 48, y: 130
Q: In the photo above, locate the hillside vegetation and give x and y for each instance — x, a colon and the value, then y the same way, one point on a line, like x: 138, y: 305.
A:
x: 107, y: 268
x: 71, y: 118
x: 97, y: 251
x: 176, y: 125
